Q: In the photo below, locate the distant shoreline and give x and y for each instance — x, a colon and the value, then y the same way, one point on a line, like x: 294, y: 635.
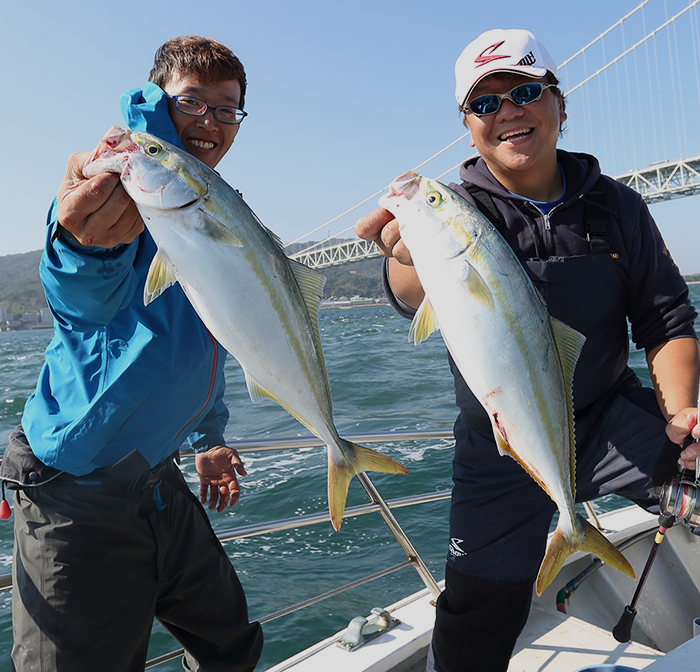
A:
x: 343, y: 305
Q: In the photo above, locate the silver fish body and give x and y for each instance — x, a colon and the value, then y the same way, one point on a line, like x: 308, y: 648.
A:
x: 517, y: 360
x: 261, y: 306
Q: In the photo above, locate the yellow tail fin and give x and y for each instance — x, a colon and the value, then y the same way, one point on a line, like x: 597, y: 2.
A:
x: 589, y: 540
x: 357, y: 459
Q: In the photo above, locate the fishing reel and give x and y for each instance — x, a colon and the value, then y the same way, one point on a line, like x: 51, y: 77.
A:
x: 678, y: 498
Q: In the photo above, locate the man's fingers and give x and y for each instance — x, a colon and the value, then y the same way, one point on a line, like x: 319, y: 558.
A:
x: 103, y: 230
x: 223, y: 498
x: 380, y: 227
x: 369, y: 227
x: 234, y: 490
x: 79, y: 199
x: 96, y: 220
x: 74, y: 168
x: 96, y: 211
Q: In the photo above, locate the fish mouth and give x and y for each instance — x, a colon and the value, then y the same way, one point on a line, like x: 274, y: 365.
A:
x: 405, y: 185
x: 115, y: 142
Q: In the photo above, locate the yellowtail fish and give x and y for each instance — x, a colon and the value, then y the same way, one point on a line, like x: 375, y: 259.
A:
x: 261, y: 306
x: 516, y: 359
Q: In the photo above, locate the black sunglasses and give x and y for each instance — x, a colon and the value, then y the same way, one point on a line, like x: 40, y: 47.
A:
x: 524, y: 94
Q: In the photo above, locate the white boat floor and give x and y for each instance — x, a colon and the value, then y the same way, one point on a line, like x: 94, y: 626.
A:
x: 555, y: 642
x: 544, y: 646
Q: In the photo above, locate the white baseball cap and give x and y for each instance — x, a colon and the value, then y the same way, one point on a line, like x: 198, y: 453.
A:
x: 500, y: 50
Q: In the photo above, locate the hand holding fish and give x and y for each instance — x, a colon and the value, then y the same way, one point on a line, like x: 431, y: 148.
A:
x: 380, y: 227
x: 218, y: 471
x: 235, y: 274
x: 96, y: 211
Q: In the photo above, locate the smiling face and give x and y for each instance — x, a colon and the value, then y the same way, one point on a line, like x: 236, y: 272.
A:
x: 205, y: 137
x: 518, y: 143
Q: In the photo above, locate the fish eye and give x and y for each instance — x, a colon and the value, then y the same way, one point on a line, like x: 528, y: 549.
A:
x: 434, y: 198
x: 152, y: 149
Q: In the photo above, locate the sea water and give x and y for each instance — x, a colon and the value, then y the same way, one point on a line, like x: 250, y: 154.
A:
x: 380, y: 383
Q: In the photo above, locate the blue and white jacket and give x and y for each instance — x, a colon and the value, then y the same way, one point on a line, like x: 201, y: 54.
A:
x: 120, y: 376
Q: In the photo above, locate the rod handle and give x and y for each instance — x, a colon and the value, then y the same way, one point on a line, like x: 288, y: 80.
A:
x: 622, y: 632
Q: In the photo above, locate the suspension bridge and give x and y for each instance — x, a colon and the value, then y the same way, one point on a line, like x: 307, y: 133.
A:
x: 633, y: 101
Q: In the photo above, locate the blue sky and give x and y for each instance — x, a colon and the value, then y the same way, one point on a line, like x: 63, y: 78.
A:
x: 343, y: 96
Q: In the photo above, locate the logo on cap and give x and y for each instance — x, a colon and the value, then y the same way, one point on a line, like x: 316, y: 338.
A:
x: 528, y: 59
x: 483, y: 59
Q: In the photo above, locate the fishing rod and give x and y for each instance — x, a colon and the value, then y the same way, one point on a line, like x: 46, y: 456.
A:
x: 679, y: 502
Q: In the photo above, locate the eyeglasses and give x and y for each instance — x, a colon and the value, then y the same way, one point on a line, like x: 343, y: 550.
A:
x: 520, y: 95
x: 226, y: 113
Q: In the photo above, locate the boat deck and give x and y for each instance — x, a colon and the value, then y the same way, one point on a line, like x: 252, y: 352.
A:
x: 544, y: 646
x: 551, y: 641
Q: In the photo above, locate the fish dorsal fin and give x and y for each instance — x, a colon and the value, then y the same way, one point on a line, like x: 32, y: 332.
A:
x: 424, y: 322
x: 212, y: 228
x: 311, y: 285
x: 476, y: 288
x: 273, y: 236
x: 161, y: 275
x: 569, y: 343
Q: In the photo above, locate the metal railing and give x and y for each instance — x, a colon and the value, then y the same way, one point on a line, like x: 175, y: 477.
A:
x: 376, y: 505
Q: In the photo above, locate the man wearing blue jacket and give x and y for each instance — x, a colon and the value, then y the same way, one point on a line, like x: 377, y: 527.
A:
x: 107, y: 534
x: 592, y: 249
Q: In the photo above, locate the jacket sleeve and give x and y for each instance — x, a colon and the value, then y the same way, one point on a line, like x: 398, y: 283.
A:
x: 85, y: 286
x: 658, y: 305
x: 210, y: 431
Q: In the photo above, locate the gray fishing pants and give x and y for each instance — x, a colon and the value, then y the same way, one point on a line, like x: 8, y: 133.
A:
x: 97, y: 558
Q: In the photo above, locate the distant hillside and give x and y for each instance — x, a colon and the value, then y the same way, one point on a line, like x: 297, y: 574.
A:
x: 361, y: 278
x: 20, y: 289
x: 21, y: 292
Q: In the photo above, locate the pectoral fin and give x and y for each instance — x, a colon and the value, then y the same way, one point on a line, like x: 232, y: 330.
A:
x: 161, y: 275
x: 212, y: 228
x: 424, y: 323
x: 476, y: 288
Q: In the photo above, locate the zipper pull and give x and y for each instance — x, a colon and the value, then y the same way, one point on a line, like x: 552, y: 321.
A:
x: 546, y: 221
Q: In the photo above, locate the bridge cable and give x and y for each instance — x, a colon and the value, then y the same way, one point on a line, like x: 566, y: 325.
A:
x: 567, y: 93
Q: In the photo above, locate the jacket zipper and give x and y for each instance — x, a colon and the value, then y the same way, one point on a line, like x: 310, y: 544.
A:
x: 547, y: 226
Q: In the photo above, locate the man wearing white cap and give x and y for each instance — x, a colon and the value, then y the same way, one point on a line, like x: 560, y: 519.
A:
x: 592, y: 249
